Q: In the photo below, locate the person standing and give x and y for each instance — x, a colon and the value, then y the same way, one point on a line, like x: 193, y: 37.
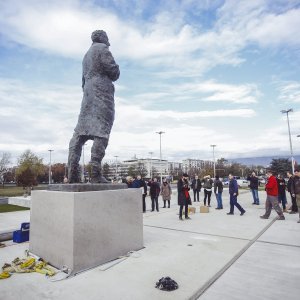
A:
x: 272, y: 197
x: 207, y: 185
x: 184, y: 199
x: 140, y: 183
x: 154, y: 193
x: 218, y: 190
x: 233, y: 193
x: 281, y: 192
x: 196, y: 187
x: 166, y: 192
x: 294, y: 208
x: 295, y: 189
x: 254, y: 187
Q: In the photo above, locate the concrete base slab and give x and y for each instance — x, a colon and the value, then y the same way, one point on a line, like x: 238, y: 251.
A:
x: 265, y: 271
x: 20, y: 201
x: 83, y: 230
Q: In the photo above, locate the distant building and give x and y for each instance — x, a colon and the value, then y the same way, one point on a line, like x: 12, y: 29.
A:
x: 189, y: 164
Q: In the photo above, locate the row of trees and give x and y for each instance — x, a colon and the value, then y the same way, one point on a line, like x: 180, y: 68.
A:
x: 30, y: 169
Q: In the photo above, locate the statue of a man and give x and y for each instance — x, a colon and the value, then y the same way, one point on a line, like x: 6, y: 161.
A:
x: 96, y: 117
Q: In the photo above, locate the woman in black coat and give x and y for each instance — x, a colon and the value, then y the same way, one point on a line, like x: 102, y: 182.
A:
x: 184, y: 198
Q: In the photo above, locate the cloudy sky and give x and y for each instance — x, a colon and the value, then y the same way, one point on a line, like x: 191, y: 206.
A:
x: 204, y: 72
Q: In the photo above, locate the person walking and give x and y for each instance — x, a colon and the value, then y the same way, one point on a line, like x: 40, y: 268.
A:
x: 294, y: 208
x: 233, y: 193
x: 281, y: 192
x: 154, y: 193
x: 184, y: 199
x: 254, y: 187
x: 207, y: 185
x: 166, y: 192
x: 272, y: 197
x: 295, y: 189
x: 140, y: 183
x: 196, y: 187
x: 218, y: 190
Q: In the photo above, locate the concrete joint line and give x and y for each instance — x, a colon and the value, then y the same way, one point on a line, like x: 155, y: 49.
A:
x: 279, y: 244
x: 194, y: 232
x: 202, y: 290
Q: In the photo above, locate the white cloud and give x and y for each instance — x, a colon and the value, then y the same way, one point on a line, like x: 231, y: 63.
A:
x: 290, y: 92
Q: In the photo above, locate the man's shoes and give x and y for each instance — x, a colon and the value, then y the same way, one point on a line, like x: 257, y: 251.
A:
x: 230, y: 213
x: 217, y: 208
x: 157, y: 210
x: 180, y: 218
x: 188, y: 218
x: 298, y: 221
x: 292, y: 212
x: 285, y: 210
x: 209, y: 206
x: 242, y: 213
x: 264, y: 217
x: 253, y: 203
x: 152, y: 210
x: 281, y: 218
x: 164, y: 207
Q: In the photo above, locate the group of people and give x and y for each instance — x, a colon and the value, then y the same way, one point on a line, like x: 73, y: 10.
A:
x: 275, y: 188
x: 155, y: 189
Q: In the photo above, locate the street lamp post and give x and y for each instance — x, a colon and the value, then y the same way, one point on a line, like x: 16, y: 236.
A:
x: 50, y: 150
x: 291, y: 147
x: 160, y: 133
x: 150, y: 164
x: 213, y: 146
x: 116, y: 156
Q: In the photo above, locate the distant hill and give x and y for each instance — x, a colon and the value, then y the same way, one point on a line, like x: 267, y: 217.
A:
x: 262, y: 161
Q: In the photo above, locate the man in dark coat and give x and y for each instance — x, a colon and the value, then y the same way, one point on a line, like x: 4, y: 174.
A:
x: 254, y: 187
x: 196, y: 187
x: 294, y: 208
x: 233, y: 193
x: 184, y: 198
x: 154, y: 193
x: 218, y: 190
x: 140, y: 183
x: 97, y: 113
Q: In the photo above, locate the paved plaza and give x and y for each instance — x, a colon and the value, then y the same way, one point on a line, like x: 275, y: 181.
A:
x: 212, y: 256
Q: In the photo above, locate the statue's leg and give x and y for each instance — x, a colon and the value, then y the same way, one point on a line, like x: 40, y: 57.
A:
x: 75, y: 148
x: 98, y: 152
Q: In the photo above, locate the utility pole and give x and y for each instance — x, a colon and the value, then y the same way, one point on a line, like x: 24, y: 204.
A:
x: 150, y: 164
x: 291, y: 147
x: 160, y: 133
x: 213, y: 146
x: 50, y: 150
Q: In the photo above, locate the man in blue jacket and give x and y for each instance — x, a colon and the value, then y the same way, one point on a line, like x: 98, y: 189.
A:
x: 233, y: 193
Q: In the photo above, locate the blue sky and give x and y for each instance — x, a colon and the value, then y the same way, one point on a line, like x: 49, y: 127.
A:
x: 205, y: 72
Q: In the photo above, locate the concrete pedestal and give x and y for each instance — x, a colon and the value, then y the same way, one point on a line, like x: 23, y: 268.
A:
x: 82, y: 230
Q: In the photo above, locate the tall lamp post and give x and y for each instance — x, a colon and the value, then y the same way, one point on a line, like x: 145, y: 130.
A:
x: 160, y: 133
x: 213, y: 146
x: 50, y: 150
x: 150, y: 164
x: 291, y: 147
x: 116, y: 156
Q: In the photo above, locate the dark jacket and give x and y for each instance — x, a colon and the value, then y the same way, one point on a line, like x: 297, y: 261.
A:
x: 193, y: 186
x: 233, y: 187
x: 253, y: 182
x: 295, y: 187
x: 183, y: 192
x: 218, y: 186
x: 289, y: 184
x: 281, y: 186
x: 138, y: 183
x: 154, y: 189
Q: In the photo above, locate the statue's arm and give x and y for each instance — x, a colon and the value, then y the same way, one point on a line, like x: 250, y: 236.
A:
x: 110, y: 68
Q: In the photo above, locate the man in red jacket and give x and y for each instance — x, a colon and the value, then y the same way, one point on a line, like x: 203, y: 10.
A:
x: 272, y: 197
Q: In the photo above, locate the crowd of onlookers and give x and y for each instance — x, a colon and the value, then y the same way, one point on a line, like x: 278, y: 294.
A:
x: 276, y: 188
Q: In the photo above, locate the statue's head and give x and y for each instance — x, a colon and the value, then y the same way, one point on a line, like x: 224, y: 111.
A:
x: 100, y: 36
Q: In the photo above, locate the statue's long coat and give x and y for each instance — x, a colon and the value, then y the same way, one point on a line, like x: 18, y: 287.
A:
x: 99, y: 70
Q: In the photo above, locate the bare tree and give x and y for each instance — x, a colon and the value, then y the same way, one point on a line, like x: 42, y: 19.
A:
x: 4, y: 163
